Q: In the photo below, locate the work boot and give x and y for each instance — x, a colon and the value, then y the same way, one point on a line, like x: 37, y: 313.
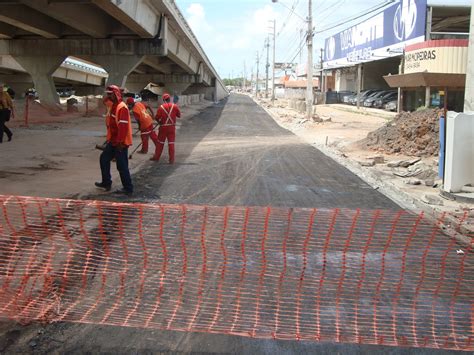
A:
x: 101, y: 185
x: 142, y: 152
x: 153, y: 158
x: 122, y: 191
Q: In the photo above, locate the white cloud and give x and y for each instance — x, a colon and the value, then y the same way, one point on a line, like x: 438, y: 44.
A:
x: 197, y: 19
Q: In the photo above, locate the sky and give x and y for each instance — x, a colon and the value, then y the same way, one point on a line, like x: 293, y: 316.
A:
x: 231, y: 32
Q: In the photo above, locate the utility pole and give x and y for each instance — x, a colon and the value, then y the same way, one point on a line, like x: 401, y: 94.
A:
x: 321, y: 78
x: 273, y: 76
x: 309, y: 87
x: 256, y: 84
x: 245, y: 77
x: 267, y: 67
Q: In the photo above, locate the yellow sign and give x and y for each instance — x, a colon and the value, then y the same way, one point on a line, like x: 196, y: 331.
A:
x: 448, y: 60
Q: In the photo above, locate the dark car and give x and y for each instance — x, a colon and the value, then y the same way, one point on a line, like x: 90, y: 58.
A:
x: 380, y: 102
x: 363, y: 96
x: 391, y: 105
x: 370, y: 101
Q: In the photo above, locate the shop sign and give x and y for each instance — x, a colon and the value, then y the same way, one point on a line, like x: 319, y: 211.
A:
x: 381, y: 36
x: 435, y: 58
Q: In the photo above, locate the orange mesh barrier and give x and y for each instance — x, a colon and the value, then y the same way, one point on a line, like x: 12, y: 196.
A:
x: 354, y: 276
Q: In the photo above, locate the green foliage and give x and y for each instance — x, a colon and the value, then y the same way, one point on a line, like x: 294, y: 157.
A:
x: 233, y: 82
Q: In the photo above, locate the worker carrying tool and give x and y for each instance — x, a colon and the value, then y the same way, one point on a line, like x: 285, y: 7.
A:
x: 166, y: 115
x: 119, y: 138
x: 145, y: 123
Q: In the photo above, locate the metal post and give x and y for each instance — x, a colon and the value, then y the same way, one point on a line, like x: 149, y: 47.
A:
x: 273, y: 74
x: 27, y: 105
x: 309, y: 86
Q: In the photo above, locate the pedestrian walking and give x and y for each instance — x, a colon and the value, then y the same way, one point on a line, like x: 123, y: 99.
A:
x: 7, y: 111
x: 145, y: 123
x: 119, y: 138
x: 166, y: 115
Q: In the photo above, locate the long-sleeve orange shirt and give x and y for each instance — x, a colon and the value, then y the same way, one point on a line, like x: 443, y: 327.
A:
x: 119, y: 132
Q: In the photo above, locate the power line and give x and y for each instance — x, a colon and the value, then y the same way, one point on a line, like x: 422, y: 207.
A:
x: 363, y: 14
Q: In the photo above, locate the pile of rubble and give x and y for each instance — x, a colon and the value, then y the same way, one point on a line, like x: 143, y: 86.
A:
x: 410, y: 133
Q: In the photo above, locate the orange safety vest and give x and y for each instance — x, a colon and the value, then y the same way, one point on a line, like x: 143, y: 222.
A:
x: 114, y: 116
x: 144, y: 118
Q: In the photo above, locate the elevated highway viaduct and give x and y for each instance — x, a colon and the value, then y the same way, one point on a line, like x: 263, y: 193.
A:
x: 136, y: 41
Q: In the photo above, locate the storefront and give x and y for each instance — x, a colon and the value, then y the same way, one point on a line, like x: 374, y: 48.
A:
x: 361, y: 55
x: 371, y: 54
x: 434, y: 75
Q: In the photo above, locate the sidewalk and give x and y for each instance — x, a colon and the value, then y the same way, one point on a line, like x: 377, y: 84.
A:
x: 337, y: 137
x: 60, y: 160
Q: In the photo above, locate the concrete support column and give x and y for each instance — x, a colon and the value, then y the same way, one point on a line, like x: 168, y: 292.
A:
x: 118, y: 67
x: 427, y: 96
x: 136, y: 86
x: 18, y: 82
x: 41, y: 69
x: 175, y: 88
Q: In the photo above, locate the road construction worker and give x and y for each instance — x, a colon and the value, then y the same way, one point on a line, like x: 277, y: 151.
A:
x: 145, y: 123
x: 166, y: 115
x: 119, y: 138
x: 6, y: 112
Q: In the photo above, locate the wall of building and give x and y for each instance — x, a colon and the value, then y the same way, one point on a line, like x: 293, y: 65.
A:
x: 346, y: 79
x: 373, y: 73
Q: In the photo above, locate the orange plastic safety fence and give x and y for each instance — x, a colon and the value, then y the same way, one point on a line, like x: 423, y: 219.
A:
x: 354, y: 276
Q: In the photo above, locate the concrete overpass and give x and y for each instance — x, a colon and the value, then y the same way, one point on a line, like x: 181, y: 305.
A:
x: 71, y: 73
x: 135, y: 41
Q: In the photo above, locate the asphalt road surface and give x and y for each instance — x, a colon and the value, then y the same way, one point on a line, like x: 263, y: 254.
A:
x: 232, y: 153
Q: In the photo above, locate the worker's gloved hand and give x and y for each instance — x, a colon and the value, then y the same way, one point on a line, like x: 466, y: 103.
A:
x: 121, y: 146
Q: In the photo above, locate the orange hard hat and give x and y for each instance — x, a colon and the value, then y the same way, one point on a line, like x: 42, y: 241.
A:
x: 166, y: 96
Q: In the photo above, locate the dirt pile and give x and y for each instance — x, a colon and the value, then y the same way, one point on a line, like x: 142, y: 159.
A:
x: 410, y: 133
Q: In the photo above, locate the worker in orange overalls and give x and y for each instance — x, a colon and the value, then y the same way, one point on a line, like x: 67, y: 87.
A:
x: 145, y: 123
x: 119, y: 138
x: 166, y: 115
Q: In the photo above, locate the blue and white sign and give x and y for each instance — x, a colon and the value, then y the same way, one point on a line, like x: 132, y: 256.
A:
x: 381, y: 36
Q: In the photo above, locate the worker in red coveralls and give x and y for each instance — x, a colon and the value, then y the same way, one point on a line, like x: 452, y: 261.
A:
x: 119, y: 138
x: 145, y: 123
x: 166, y: 116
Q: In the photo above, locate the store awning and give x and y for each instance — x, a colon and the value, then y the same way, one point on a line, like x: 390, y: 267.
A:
x: 425, y: 79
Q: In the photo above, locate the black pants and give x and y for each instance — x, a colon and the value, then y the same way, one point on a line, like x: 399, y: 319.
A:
x: 121, y: 157
x: 4, y: 117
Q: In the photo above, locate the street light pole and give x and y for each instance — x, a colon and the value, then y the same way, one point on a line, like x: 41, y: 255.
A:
x: 309, y: 86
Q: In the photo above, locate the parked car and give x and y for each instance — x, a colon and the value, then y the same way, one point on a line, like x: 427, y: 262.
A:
x: 363, y: 95
x: 380, y: 102
x: 65, y: 92
x: 370, y: 101
x: 135, y: 96
x: 32, y: 93
x: 343, y: 96
x: 391, y: 105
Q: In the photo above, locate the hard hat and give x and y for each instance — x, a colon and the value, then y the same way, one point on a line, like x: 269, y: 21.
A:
x: 112, y: 88
x: 166, y: 97
x: 130, y: 101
